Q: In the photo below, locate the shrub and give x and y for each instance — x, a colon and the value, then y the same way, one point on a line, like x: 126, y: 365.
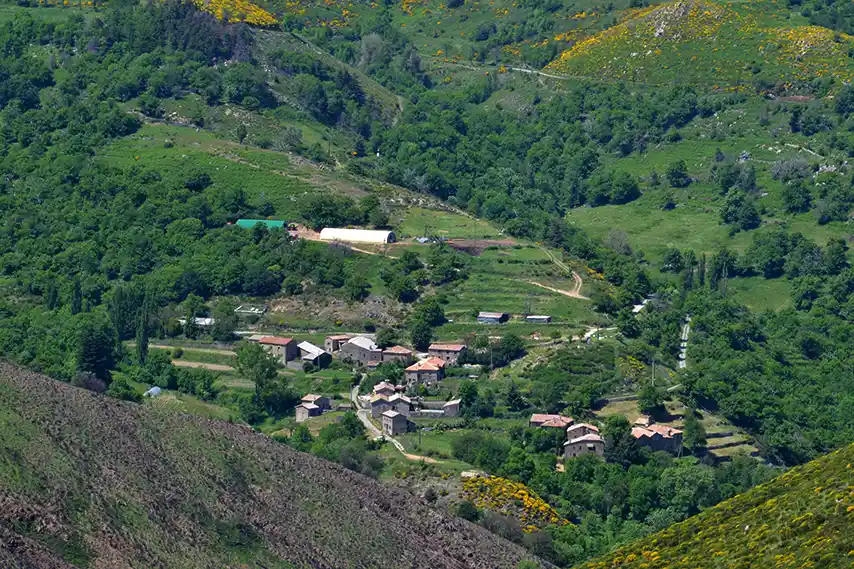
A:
x: 467, y: 511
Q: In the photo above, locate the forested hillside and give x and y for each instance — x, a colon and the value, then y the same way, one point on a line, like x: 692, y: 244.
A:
x: 568, y: 158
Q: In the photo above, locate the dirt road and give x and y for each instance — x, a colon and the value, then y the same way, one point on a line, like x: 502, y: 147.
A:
x: 578, y: 281
x: 571, y: 293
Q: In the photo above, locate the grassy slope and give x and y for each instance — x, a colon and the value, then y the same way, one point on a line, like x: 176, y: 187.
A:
x: 447, y: 34
x: 711, y: 43
x: 804, y: 518
x: 112, y: 484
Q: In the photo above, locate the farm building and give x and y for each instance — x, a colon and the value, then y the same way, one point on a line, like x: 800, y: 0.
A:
x: 268, y: 223
x: 357, y: 235
x: 425, y: 372
x: 379, y: 405
x: 538, y: 319
x: 314, y: 354
x: 549, y: 421
x: 584, y: 444
x: 285, y: 348
x: 451, y: 408
x: 384, y: 388
x: 255, y: 337
x: 334, y: 343
x: 394, y: 423
x: 581, y: 429
x: 659, y: 437
x: 306, y: 410
x: 397, y: 354
x: 492, y: 317
x: 448, y: 352
x: 319, y: 400
x: 361, y: 349
x: 400, y: 403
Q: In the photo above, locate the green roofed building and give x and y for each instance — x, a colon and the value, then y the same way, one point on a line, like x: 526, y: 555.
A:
x: 268, y: 223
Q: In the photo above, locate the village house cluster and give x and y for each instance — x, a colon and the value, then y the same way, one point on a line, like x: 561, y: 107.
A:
x: 388, y: 403
x: 291, y: 352
x: 584, y: 438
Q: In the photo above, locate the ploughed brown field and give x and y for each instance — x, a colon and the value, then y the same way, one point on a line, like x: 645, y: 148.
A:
x: 88, y: 481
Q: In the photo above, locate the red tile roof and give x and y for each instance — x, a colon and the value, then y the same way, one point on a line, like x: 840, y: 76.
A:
x: 430, y: 364
x: 652, y: 430
x: 398, y: 350
x: 383, y: 386
x: 339, y: 337
x: 559, y: 423
x: 546, y: 420
x: 664, y: 430
x: 579, y: 427
x: 275, y: 341
x: 311, y: 397
x: 447, y: 347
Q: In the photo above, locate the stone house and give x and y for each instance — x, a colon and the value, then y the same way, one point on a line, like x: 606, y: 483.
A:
x: 319, y: 400
x: 284, y: 348
x: 400, y: 403
x: 361, y: 350
x: 333, y: 343
x: 549, y: 421
x: 450, y: 353
x: 306, y: 410
x: 394, y: 423
x: 585, y: 444
x: 384, y: 388
x: 451, y: 408
x: 397, y: 354
x: 425, y: 372
x: 379, y: 405
x: 580, y: 430
x: 659, y: 437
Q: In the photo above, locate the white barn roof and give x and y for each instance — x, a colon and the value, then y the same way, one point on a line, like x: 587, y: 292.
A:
x: 310, y: 349
x: 357, y: 235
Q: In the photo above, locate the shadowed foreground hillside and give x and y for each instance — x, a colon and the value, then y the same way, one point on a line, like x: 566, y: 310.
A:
x: 88, y: 481
x: 804, y: 518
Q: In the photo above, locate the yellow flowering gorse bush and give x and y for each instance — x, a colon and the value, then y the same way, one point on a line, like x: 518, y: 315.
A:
x: 513, y: 499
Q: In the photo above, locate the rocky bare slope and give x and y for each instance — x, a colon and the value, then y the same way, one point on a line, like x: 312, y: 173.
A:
x: 93, y: 482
